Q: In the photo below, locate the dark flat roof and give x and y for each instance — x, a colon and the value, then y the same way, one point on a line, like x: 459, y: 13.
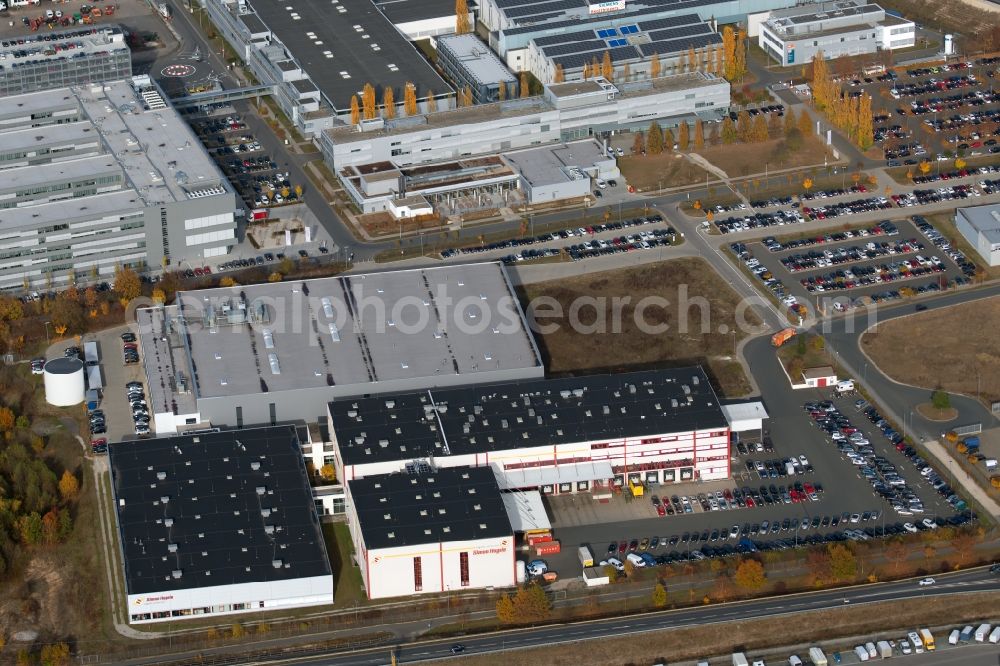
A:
x: 498, y: 417
x: 351, y: 38
x: 448, y: 504
x: 404, y: 11
x: 212, y: 527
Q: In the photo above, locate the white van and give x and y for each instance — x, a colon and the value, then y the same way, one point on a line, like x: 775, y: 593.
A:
x: 995, y: 635
x: 862, y: 653
x: 872, y: 650
x: 635, y: 560
x: 953, y: 637
x: 982, y: 632
x: 794, y: 660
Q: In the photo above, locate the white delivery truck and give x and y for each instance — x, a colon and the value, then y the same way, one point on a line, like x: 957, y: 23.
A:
x: 918, y: 645
x: 982, y: 631
x: 817, y: 656
x: 740, y: 659
x: 953, y: 637
x: 845, y: 387
x: 884, y: 649
x: 862, y: 653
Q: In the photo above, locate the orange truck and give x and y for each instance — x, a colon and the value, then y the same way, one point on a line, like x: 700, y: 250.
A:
x: 782, y: 336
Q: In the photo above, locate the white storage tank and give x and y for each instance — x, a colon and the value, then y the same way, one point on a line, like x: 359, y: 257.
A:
x: 64, y: 382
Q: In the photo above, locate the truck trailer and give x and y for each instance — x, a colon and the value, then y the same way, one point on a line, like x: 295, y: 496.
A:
x: 586, y: 556
x: 817, y: 656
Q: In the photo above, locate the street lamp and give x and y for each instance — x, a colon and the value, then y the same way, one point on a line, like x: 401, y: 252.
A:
x: 47, y: 332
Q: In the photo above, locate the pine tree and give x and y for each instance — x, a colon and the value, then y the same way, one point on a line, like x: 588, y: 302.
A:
x: 866, y: 127
x: 699, y: 135
x: 639, y: 144
x: 410, y: 99
x: 525, y: 88
x: 805, y: 124
x: 759, y: 132
x: 729, y: 53
x: 654, y: 139
x: 607, y: 69
x: 654, y: 66
x: 683, y: 137
x: 728, y: 130
x: 741, y: 54
x: 558, y: 76
x: 743, y: 127
x: 388, y: 103
x: 368, y: 102
x: 355, y: 111
x: 462, y: 25
x: 789, y: 121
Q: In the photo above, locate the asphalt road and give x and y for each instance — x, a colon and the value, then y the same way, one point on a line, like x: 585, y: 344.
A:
x: 965, y: 582
x: 842, y: 335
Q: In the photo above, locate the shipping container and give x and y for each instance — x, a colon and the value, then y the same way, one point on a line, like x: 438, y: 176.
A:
x: 539, y: 538
x: 547, y: 548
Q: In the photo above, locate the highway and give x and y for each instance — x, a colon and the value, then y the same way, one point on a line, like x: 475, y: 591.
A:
x: 977, y: 580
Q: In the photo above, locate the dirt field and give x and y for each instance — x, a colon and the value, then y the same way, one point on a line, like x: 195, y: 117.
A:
x: 699, y: 333
x: 647, y: 173
x: 742, y: 160
x: 688, y: 644
x: 957, y: 347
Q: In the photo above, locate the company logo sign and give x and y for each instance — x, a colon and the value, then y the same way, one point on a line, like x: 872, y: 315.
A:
x: 152, y: 600
x: 610, y: 6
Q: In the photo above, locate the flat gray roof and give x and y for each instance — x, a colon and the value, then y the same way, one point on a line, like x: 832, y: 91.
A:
x: 985, y: 220
x: 64, y: 44
x: 407, y: 11
x: 70, y: 170
x: 163, y: 158
x: 123, y: 201
x: 33, y: 137
x: 549, y: 165
x: 345, y: 330
x: 475, y: 57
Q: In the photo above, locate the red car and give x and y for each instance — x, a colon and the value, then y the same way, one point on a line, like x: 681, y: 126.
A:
x: 660, y: 511
x: 622, y: 547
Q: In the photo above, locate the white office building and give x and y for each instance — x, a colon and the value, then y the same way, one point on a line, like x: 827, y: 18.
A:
x: 102, y: 175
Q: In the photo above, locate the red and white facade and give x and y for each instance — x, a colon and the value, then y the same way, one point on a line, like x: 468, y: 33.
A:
x: 566, y: 468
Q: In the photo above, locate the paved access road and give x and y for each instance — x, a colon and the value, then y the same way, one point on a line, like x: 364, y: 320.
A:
x: 978, y: 580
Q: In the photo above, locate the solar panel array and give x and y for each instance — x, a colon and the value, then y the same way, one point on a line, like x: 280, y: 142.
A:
x: 543, y: 7
x: 665, y: 37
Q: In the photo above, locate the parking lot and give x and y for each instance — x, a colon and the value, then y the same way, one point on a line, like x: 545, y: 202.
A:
x: 874, y: 262
x: 928, y: 111
x: 252, y: 171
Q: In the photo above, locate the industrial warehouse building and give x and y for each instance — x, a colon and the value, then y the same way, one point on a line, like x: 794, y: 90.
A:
x: 279, y: 352
x: 514, y: 24
x: 101, y: 175
x: 567, y: 111
x: 556, y: 435
x: 980, y: 226
x: 319, y: 54
x: 64, y: 58
x: 842, y: 28
x: 431, y: 530
x: 217, y: 523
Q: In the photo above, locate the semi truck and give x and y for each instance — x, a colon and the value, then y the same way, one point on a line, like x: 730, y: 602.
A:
x: 817, y: 656
x: 586, y: 556
x: 782, y: 336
